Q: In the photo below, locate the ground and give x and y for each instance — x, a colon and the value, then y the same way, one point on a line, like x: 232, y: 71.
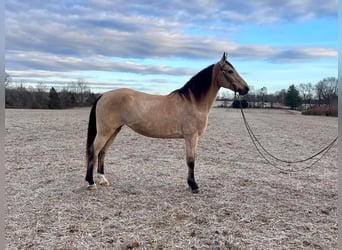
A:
x: 244, y: 203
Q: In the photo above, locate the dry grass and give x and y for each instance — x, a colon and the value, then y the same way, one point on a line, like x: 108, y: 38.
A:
x: 244, y: 203
x: 327, y: 111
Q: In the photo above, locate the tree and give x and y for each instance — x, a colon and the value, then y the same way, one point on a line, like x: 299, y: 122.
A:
x: 272, y: 99
x: 82, y: 87
x: 225, y: 96
x: 292, y: 98
x: 24, y: 97
x: 306, y: 90
x: 327, y: 90
x: 263, y: 94
x: 41, y: 96
x: 7, y: 80
x: 54, y: 101
x: 90, y: 99
x: 280, y: 96
x: 240, y: 104
x: 251, y: 97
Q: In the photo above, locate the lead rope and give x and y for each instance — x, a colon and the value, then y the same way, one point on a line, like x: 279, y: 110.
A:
x: 256, y: 142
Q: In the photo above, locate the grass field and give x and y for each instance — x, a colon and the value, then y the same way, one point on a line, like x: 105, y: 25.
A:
x: 244, y: 203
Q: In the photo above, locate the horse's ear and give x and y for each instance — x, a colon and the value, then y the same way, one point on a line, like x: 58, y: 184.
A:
x: 223, y: 59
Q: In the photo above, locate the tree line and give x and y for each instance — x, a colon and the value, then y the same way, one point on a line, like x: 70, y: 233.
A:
x: 77, y: 94
x: 303, y: 96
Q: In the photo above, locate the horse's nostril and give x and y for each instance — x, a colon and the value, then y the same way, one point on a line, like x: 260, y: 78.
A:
x: 244, y: 91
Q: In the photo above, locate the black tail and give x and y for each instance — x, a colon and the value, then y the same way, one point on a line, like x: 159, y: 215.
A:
x: 91, y: 130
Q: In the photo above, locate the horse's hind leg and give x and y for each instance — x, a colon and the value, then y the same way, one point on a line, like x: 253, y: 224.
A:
x: 99, y: 143
x: 102, y: 154
x: 190, y: 146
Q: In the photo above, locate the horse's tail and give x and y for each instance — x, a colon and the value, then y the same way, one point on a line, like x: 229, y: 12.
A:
x: 92, y: 131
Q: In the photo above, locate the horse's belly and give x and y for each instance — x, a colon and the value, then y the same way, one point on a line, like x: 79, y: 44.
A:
x: 157, y: 130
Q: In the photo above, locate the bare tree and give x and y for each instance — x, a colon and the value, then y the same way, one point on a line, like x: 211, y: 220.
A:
x: 8, y: 80
x: 327, y: 90
x: 310, y: 90
x: 41, y: 96
x: 41, y: 87
x: 225, y: 96
x: 71, y: 87
x: 263, y: 94
x: 306, y: 90
x: 280, y: 96
x: 82, y: 87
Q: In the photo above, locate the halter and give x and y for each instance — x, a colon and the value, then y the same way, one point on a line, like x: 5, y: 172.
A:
x: 225, y: 73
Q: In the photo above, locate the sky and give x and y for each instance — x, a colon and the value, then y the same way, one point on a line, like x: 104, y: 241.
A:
x: 157, y: 46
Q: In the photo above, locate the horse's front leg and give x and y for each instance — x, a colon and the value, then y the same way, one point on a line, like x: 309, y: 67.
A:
x: 191, y: 145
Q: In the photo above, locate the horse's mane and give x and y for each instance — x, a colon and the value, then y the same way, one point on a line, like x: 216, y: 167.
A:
x: 198, y: 85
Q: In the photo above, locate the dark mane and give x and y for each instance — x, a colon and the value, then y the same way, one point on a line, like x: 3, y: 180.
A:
x: 198, y: 85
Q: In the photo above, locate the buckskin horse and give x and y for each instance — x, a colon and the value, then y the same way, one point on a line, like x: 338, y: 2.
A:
x: 181, y: 114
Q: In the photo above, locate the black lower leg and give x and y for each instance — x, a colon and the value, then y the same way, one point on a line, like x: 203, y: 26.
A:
x: 89, y: 176
x: 90, y: 167
x: 191, y: 177
x: 100, y: 168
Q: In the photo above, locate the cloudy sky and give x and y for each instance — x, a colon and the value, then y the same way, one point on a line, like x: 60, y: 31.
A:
x: 156, y: 46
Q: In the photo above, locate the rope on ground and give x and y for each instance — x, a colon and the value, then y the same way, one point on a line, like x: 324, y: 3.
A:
x: 263, y: 152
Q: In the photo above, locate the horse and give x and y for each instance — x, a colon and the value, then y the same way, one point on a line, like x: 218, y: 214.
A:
x: 182, y: 114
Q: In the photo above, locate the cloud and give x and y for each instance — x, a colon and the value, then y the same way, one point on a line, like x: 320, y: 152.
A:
x: 232, y: 11
x: 43, y: 62
x: 74, y: 35
x: 290, y: 55
x: 269, y: 11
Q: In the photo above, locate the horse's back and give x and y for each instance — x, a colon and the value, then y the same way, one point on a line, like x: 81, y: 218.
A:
x: 127, y: 100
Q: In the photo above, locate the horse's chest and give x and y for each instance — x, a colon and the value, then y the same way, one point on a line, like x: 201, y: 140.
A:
x: 202, y: 124
x: 195, y: 123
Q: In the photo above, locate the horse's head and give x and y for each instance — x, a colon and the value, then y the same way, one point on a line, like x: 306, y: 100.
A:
x: 229, y: 78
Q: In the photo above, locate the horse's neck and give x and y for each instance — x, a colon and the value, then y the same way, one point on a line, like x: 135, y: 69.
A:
x: 207, y: 102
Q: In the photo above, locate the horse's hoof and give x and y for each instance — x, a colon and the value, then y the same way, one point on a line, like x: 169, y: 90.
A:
x: 92, y: 187
x: 104, y: 183
x: 195, y: 191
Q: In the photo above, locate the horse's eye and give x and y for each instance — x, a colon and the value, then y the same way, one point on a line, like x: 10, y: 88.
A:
x: 230, y: 71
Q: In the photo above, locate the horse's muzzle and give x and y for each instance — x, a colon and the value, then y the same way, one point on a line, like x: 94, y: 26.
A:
x: 243, y: 91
